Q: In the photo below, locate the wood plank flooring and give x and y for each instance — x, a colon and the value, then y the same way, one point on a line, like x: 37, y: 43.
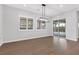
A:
x: 41, y: 46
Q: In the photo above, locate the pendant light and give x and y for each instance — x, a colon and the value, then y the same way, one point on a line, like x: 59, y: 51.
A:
x: 43, y: 18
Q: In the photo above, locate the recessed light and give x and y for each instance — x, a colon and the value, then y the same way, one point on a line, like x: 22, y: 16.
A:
x: 60, y: 5
x: 24, y: 5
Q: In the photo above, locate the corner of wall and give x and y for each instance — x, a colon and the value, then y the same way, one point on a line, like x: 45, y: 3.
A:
x: 1, y: 40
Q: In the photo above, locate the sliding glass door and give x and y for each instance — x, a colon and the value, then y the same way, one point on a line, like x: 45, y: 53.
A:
x: 59, y: 28
x: 62, y: 27
x: 56, y: 28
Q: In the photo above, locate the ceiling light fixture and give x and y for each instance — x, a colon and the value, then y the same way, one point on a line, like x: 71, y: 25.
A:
x: 43, y: 13
x: 24, y: 5
x: 60, y: 5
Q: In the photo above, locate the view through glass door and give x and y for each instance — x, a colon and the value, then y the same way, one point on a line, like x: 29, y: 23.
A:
x: 59, y: 28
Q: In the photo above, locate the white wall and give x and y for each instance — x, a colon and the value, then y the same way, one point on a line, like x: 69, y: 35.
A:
x: 71, y: 24
x: 11, y: 30
x: 1, y: 36
x: 78, y: 21
x: 12, y: 33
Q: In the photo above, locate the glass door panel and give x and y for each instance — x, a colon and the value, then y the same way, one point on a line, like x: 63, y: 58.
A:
x: 62, y: 27
x: 56, y: 28
x: 59, y: 27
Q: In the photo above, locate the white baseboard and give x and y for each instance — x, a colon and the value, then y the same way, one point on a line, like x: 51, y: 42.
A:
x: 1, y: 40
x: 14, y: 40
x: 73, y: 40
x: 1, y: 44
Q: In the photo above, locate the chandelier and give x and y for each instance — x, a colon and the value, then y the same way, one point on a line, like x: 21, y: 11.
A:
x: 43, y: 13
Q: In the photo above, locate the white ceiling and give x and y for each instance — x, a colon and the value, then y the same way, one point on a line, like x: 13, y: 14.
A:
x: 51, y: 9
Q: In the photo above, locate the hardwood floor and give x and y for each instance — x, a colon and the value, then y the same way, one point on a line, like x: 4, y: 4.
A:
x: 41, y: 46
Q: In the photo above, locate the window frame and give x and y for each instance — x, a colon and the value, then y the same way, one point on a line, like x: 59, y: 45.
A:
x: 39, y: 26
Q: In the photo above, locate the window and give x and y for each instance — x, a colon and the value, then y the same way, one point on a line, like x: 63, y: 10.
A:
x: 41, y: 24
x: 23, y: 23
x: 38, y: 24
x: 26, y: 23
x: 30, y: 23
